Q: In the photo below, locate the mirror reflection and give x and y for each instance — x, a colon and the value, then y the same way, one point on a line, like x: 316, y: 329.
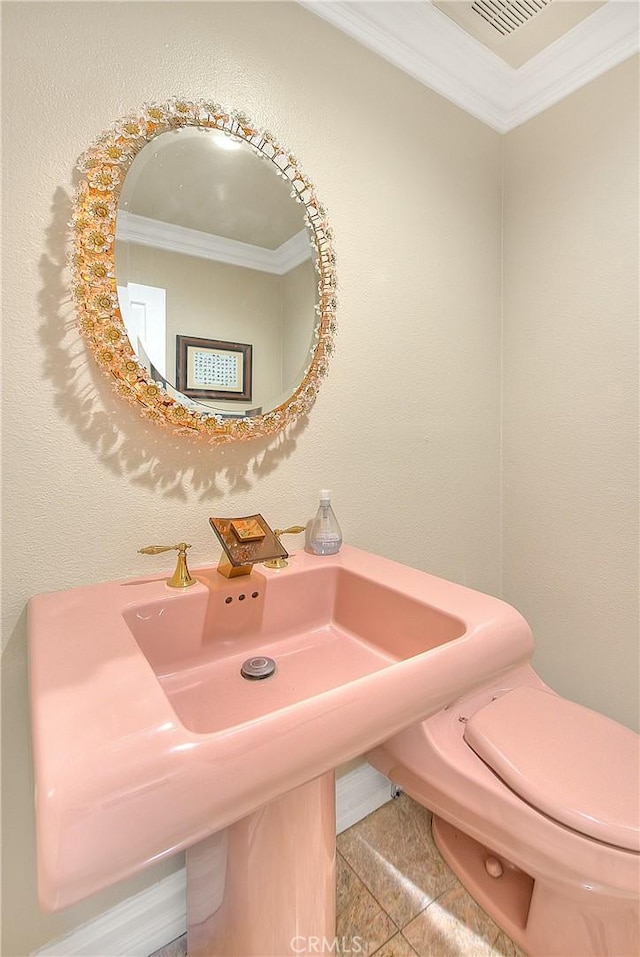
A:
x: 215, y: 273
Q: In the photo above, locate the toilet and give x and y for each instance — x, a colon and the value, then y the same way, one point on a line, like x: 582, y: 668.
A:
x: 536, y: 807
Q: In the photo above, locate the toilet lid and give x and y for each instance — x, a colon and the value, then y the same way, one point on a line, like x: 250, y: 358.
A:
x: 575, y: 765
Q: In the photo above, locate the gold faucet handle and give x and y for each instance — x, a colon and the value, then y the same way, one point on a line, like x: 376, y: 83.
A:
x: 292, y: 530
x: 181, y: 577
x: 156, y: 549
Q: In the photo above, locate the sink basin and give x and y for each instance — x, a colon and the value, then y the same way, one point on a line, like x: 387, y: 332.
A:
x: 147, y: 740
x: 324, y: 629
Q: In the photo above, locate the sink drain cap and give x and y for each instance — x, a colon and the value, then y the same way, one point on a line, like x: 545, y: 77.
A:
x: 259, y: 667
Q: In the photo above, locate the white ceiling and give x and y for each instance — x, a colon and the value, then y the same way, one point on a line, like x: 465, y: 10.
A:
x: 517, y: 30
x: 431, y: 46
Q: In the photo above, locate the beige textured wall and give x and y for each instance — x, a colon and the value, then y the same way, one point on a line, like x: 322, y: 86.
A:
x: 571, y: 390
x: 406, y: 428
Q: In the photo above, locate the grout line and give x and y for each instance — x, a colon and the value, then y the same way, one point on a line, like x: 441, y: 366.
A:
x: 373, y: 897
x: 427, y: 906
x: 411, y: 947
x: 370, y: 892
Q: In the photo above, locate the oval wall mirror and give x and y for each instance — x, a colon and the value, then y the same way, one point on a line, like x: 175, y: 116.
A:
x: 203, y: 271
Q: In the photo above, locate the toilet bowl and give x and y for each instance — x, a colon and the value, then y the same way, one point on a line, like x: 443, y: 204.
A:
x: 536, y: 810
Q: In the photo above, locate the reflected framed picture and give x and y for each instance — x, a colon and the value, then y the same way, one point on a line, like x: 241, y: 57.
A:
x: 213, y: 369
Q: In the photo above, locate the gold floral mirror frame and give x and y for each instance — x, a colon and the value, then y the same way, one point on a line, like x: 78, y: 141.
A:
x: 94, y: 287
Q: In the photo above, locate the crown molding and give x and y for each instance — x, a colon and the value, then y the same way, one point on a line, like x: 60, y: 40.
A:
x: 293, y: 252
x: 602, y: 41
x: 425, y: 43
x: 130, y: 227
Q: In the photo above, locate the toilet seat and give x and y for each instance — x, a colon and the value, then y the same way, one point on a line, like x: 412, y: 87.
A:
x: 576, y: 766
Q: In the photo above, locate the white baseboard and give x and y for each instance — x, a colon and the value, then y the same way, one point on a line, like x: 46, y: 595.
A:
x: 358, y: 793
x: 135, y: 928
x: 151, y: 919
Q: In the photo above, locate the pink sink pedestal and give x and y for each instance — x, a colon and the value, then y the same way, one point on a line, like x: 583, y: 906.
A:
x: 265, y: 886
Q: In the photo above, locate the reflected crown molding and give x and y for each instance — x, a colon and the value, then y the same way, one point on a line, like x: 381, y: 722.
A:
x: 193, y: 242
x: 425, y: 43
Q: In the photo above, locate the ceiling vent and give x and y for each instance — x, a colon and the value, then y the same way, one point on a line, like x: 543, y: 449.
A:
x: 507, y: 16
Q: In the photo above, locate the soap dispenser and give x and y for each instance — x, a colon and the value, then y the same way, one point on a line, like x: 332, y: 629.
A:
x: 325, y: 537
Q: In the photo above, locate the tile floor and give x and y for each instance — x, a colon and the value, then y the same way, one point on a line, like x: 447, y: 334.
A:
x: 396, y: 897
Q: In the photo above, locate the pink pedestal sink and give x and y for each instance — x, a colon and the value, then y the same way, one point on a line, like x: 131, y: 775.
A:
x: 147, y: 739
